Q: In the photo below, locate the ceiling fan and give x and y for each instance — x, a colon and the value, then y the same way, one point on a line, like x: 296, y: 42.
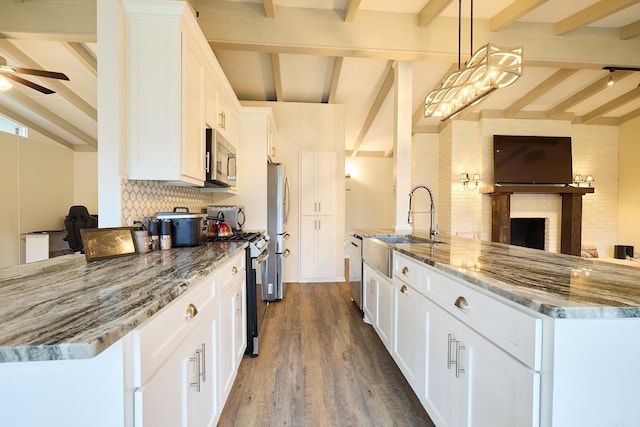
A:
x: 11, y: 73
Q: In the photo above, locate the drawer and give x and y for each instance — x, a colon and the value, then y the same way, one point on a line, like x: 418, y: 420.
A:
x: 157, y: 338
x: 231, y: 269
x: 408, y: 270
x: 517, y: 332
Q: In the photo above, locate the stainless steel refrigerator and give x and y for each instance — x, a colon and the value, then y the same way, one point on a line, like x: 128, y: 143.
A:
x: 277, y: 212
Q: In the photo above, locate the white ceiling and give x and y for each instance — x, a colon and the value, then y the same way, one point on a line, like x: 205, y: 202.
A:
x: 341, y: 51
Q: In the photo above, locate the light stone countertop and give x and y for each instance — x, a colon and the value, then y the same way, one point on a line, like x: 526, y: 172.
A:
x: 67, y: 308
x: 556, y: 285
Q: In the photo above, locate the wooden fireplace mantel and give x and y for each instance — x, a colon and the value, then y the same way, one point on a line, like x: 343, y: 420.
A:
x: 571, y: 222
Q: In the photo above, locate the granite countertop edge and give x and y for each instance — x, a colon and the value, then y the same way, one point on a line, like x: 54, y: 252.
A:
x: 598, y: 295
x: 113, y: 297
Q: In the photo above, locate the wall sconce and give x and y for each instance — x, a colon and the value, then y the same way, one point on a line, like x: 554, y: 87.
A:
x: 579, y: 179
x: 464, y: 178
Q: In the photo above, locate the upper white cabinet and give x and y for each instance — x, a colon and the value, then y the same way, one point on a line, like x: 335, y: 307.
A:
x: 317, y: 182
x: 174, y: 87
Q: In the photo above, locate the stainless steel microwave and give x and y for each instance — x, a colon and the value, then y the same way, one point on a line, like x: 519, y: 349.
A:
x: 221, y: 161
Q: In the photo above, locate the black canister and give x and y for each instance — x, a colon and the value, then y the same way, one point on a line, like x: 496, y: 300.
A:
x: 154, y: 232
x: 165, y: 234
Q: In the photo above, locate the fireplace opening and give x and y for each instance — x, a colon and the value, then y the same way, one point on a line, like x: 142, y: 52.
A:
x: 528, y: 232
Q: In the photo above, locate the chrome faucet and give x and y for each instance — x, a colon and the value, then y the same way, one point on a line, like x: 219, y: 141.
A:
x: 433, y: 230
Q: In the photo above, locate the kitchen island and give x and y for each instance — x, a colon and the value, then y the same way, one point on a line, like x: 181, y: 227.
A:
x: 79, y: 341
x: 510, y: 335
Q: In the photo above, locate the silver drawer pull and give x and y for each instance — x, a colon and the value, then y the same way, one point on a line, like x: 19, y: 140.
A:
x: 462, y: 304
x: 191, y: 312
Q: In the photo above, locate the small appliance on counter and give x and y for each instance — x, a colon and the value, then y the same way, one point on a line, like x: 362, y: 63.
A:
x: 187, y: 229
x: 232, y: 215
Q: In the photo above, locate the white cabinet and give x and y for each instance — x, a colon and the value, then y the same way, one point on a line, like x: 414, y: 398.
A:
x: 232, y: 323
x: 378, y: 304
x: 317, y: 254
x: 317, y: 215
x: 227, y: 117
x: 410, y: 334
x: 174, y: 363
x: 471, y: 382
x: 317, y: 182
x: 166, y: 90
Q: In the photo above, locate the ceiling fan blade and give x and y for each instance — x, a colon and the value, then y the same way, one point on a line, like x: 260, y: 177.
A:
x: 41, y: 73
x: 30, y: 84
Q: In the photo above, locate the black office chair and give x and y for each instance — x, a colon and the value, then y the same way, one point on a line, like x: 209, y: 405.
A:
x: 78, y: 218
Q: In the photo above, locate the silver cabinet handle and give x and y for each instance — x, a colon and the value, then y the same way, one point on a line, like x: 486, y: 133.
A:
x: 191, y: 312
x: 462, y: 303
x: 459, y: 370
x: 197, y: 361
x: 456, y: 360
x: 203, y: 374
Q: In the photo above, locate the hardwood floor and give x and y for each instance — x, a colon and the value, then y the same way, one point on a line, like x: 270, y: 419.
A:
x: 319, y: 364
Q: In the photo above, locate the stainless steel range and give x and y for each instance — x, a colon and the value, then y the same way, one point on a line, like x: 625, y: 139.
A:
x: 257, y: 254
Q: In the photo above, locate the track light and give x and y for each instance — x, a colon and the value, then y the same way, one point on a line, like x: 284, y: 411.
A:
x: 611, y: 82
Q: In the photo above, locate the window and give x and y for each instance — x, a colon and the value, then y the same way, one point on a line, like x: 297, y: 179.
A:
x: 8, y: 126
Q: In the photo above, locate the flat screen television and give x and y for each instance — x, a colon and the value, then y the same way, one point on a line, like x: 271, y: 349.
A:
x: 532, y: 160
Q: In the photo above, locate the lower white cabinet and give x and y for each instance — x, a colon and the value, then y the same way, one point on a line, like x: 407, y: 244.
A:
x: 317, y: 256
x: 233, y: 326
x: 471, y: 382
x: 379, y: 304
x: 187, y: 356
x: 410, y: 334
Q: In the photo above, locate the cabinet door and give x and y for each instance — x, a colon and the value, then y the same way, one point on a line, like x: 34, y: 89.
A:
x: 410, y: 335
x: 369, y: 295
x: 384, y: 322
x: 202, y: 402
x: 194, y: 90
x: 325, y: 247
x: 240, y: 319
x: 227, y: 353
x: 317, y: 182
x: 308, y: 225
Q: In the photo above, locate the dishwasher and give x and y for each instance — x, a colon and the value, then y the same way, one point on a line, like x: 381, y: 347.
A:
x: 355, y: 269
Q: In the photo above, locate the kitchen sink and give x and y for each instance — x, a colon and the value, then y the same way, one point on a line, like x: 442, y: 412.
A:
x: 377, y: 252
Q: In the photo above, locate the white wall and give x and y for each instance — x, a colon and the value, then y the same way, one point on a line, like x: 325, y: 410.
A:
x: 369, y: 193
x: 85, y: 188
x: 39, y: 188
x: 425, y: 171
x: 304, y: 127
x: 629, y: 182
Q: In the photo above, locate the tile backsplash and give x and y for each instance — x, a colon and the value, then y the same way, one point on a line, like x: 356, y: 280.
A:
x: 142, y: 199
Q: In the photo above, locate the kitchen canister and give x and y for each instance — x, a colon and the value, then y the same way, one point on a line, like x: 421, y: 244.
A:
x: 165, y: 234
x: 143, y: 241
x: 154, y: 233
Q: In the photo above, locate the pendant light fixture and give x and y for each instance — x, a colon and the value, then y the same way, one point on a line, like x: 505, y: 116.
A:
x: 489, y: 68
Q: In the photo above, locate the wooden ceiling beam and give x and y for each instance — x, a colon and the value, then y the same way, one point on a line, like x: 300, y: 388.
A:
x: 270, y: 8
x: 335, y: 79
x: 512, y: 13
x: 386, y: 86
x: 630, y: 31
x: 632, y: 95
x: 632, y: 115
x: 431, y: 11
x: 595, y: 12
x: 34, y: 126
x: 61, y: 88
x: 52, y: 117
x: 535, y: 93
x: 84, y: 55
x: 583, y: 94
x: 277, y: 75
x: 351, y: 10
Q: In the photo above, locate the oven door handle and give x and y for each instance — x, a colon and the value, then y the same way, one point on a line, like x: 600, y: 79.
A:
x: 262, y: 257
